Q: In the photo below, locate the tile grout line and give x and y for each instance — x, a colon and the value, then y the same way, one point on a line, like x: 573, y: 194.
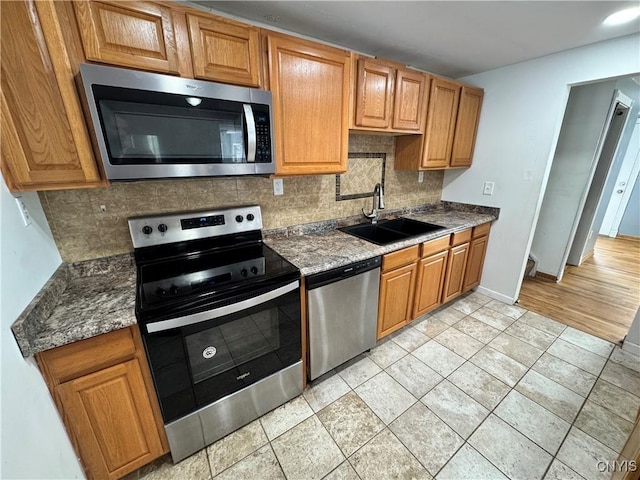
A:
x: 553, y: 456
x: 419, y: 400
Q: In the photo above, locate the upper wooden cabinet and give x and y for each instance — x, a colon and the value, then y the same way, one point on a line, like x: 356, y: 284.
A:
x: 388, y: 98
x: 464, y: 139
x: 450, y: 133
x: 441, y: 122
x: 224, y: 51
x: 45, y: 142
x: 130, y: 34
x: 310, y: 87
x: 176, y: 40
x: 412, y: 93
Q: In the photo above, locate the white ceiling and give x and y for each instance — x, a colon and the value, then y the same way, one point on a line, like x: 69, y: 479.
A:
x: 451, y: 38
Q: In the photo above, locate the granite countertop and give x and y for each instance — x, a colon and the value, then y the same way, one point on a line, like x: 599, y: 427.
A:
x: 79, y: 301
x: 86, y: 299
x: 318, y: 247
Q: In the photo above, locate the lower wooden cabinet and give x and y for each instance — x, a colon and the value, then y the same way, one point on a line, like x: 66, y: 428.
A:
x: 103, y: 389
x: 456, y: 267
x: 396, y: 299
x: 431, y: 273
x: 413, y: 284
x: 475, y: 261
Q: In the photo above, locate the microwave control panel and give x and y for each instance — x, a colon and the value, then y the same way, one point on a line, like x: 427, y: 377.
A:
x: 263, y: 133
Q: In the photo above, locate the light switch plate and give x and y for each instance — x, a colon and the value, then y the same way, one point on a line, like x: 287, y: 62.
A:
x: 488, y: 188
x: 278, y: 186
x: 24, y: 212
x: 420, y: 177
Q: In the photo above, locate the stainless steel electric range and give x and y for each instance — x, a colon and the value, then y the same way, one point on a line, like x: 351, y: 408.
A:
x: 219, y: 313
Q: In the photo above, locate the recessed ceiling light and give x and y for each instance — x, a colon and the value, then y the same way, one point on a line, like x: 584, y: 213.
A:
x: 623, y: 16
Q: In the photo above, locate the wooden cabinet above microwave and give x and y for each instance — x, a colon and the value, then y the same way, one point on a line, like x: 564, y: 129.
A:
x: 167, y: 38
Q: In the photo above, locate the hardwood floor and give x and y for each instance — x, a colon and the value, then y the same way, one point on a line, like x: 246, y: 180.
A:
x: 600, y: 297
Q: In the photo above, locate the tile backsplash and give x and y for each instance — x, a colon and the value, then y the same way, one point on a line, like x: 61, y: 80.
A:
x: 92, y: 223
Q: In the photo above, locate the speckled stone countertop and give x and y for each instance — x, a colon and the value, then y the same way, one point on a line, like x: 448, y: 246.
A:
x: 86, y: 299
x: 79, y: 301
x: 317, y: 247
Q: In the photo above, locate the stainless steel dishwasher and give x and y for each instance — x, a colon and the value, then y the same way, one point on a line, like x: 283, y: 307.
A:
x: 343, y: 314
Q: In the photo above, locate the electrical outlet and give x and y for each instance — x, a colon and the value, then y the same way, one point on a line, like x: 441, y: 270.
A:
x: 24, y: 212
x: 488, y: 188
x: 278, y: 186
x: 420, y: 177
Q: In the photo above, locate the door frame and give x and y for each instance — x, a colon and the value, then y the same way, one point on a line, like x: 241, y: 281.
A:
x: 618, y: 98
x: 613, y: 215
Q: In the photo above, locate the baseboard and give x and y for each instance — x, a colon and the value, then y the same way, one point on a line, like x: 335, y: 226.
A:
x: 534, y: 270
x: 627, y: 237
x: 546, y: 276
x: 586, y: 256
x: 495, y: 295
x: 631, y: 348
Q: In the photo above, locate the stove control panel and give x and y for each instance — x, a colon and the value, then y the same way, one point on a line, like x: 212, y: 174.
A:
x: 209, y: 279
x: 182, y: 226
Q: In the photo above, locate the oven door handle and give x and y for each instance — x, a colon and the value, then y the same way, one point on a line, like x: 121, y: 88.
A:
x: 221, y: 311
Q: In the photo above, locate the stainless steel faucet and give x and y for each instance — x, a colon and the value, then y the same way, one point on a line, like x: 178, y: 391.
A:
x: 378, y: 203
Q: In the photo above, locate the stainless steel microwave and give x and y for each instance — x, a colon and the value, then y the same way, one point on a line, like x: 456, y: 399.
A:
x: 150, y: 126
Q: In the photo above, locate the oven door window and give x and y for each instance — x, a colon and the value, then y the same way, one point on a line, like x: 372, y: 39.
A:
x: 242, y: 348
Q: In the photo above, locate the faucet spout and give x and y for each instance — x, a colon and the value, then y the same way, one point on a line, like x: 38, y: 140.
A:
x: 378, y: 203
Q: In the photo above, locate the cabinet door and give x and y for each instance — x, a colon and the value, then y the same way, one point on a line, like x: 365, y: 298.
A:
x: 310, y: 87
x: 431, y: 273
x: 464, y: 139
x: 475, y: 262
x: 131, y: 34
x: 45, y: 142
x: 374, y: 97
x: 110, y: 412
x: 456, y: 266
x: 408, y: 109
x: 224, y: 51
x: 441, y: 122
x: 396, y: 299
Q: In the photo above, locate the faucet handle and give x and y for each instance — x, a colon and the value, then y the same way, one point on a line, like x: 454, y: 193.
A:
x: 373, y: 214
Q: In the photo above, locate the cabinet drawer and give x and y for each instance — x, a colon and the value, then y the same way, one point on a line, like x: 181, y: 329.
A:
x: 460, y: 237
x: 434, y: 246
x: 481, y: 230
x: 400, y: 258
x: 86, y: 356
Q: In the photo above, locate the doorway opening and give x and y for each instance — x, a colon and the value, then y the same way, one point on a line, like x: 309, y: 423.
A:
x: 595, y: 135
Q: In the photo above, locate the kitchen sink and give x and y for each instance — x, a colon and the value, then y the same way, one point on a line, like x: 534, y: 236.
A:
x: 389, y: 231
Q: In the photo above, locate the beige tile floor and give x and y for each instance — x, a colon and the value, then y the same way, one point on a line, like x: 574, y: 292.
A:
x: 476, y: 390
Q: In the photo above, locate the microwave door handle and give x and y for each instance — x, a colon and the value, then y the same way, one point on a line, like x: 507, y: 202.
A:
x: 251, y: 133
x: 221, y: 311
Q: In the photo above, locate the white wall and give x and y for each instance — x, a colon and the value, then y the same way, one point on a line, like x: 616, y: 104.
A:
x: 630, y: 224
x: 519, y: 125
x: 573, y: 162
x: 33, y: 441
